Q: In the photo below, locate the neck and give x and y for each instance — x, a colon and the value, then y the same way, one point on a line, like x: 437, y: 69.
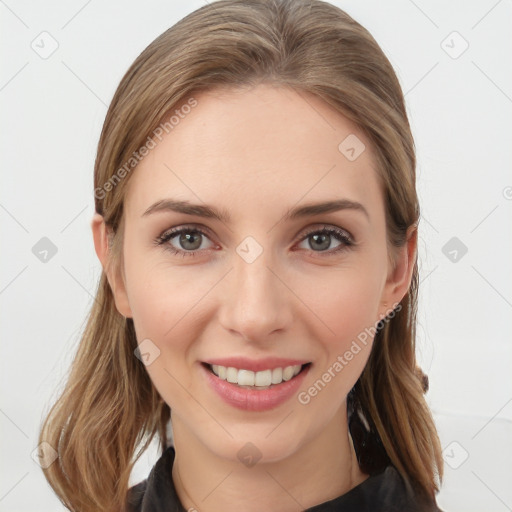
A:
x: 318, y: 471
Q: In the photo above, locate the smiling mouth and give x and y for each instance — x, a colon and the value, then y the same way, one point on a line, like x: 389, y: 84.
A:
x: 265, y: 379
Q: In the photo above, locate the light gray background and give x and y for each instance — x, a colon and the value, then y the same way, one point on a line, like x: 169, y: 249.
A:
x: 460, y: 110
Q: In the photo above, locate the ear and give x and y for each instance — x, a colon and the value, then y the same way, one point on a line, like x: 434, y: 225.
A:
x: 114, y: 275
x: 400, y: 274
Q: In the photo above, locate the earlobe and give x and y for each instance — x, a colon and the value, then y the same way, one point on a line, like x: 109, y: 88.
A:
x: 101, y: 246
x: 399, y: 278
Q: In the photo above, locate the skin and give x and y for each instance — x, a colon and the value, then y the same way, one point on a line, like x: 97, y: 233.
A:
x: 256, y: 153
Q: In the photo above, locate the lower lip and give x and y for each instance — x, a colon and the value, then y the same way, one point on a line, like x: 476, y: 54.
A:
x: 254, y: 400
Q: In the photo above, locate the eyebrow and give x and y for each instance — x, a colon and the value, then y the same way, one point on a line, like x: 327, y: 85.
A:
x: 207, y: 211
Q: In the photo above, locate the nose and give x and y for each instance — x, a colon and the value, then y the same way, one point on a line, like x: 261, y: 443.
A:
x: 255, y: 300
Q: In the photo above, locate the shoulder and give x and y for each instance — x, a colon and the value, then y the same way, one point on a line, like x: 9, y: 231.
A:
x: 398, y: 495
x: 135, y: 496
x: 382, y: 492
x: 157, y: 492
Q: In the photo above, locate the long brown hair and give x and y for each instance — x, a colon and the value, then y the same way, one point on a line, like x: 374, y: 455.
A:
x: 109, y: 410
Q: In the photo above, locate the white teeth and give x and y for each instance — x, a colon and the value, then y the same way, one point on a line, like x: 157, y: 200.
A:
x: 232, y: 375
x: 288, y: 373
x: 262, y: 379
x: 245, y: 378
x: 277, y: 375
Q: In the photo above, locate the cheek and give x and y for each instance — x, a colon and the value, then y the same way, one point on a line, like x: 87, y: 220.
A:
x: 345, y: 300
x: 168, y: 308
x: 163, y: 312
x: 357, y: 307
x: 347, y: 304
x: 348, y: 307
x: 163, y: 298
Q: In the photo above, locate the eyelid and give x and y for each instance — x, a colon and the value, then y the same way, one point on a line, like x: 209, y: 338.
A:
x: 184, y: 227
x: 326, y: 227
x: 304, y: 233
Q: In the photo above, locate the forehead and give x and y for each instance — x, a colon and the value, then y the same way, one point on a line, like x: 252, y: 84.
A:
x: 245, y: 148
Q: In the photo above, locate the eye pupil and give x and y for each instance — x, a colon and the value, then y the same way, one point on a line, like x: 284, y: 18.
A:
x: 325, y: 241
x: 186, y: 238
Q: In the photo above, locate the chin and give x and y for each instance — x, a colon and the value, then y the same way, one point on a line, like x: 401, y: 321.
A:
x: 253, y: 444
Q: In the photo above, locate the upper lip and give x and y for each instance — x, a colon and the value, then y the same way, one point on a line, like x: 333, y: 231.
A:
x: 255, y: 365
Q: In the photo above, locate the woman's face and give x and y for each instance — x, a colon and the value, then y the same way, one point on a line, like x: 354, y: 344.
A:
x: 258, y: 279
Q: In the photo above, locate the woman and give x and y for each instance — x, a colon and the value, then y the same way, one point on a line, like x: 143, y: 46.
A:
x: 256, y: 220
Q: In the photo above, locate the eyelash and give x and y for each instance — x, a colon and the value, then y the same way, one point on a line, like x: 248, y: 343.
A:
x: 340, y: 234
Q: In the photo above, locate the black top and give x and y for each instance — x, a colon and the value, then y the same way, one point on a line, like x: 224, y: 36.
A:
x: 382, y: 492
